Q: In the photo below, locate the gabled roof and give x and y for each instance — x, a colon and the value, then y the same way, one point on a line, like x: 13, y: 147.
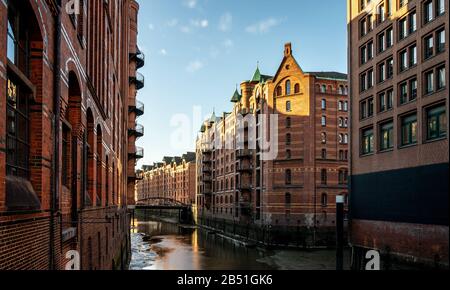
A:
x: 189, y: 156
x: 329, y: 75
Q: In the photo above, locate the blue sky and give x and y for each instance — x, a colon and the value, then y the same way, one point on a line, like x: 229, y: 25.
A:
x: 198, y: 50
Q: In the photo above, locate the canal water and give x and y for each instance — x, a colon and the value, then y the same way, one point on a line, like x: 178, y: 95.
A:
x: 162, y: 245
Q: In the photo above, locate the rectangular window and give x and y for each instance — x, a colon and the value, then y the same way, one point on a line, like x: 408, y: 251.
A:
x: 412, y: 22
x: 387, y: 136
x: 390, y: 68
x: 381, y: 43
x: 440, y: 7
x: 403, y: 60
x: 403, y: 28
x: 382, y: 72
x: 441, y: 78
x: 428, y: 11
x: 363, y: 109
x: 370, y: 50
x: 403, y: 93
x: 363, y: 53
x: 370, y: 79
x: 436, y: 123
x: 381, y: 13
x: 382, y: 102
x: 440, y: 35
x: 429, y: 82
x: 370, y: 107
x: 65, y: 156
x: 367, y: 141
x: 413, y: 89
x: 429, y: 46
x: 389, y: 37
x: 409, y: 130
x: 389, y: 99
x: 412, y: 55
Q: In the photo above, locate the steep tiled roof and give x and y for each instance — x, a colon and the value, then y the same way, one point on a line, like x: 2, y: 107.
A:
x: 329, y: 75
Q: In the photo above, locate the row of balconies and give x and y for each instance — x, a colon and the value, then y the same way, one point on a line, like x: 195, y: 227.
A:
x: 137, y: 108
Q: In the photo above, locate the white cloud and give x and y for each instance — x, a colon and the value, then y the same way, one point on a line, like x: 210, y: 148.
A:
x: 203, y: 23
x: 172, y: 22
x: 263, y: 26
x: 190, y: 3
x: 163, y: 52
x: 225, y: 22
x: 194, y: 66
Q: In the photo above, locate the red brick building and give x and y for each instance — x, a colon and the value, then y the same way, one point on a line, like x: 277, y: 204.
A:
x: 398, y: 65
x: 172, y: 180
x: 68, y: 87
x: 294, y: 190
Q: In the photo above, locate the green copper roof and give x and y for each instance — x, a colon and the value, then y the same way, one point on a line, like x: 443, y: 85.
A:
x: 257, y: 75
x: 236, y: 97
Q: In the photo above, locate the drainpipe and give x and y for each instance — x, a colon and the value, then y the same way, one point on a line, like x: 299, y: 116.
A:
x: 54, y: 198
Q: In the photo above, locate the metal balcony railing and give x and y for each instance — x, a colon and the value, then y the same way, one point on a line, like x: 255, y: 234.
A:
x: 206, y: 169
x: 137, y: 154
x: 138, y: 80
x: 138, y: 108
x: 139, y: 57
x: 243, y: 153
x: 137, y: 131
x: 244, y: 167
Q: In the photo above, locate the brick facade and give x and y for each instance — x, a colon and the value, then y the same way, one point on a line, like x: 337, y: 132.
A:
x: 70, y: 192
x: 239, y: 183
x: 173, y: 179
x: 399, y: 145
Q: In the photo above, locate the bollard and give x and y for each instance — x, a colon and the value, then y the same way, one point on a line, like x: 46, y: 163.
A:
x: 339, y: 233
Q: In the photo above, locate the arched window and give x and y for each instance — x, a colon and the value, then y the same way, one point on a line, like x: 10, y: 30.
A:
x: 345, y: 138
x: 288, y: 199
x: 330, y: 89
x: 99, y: 196
x: 288, y: 106
x: 297, y: 89
x: 341, y: 122
x: 89, y: 151
x: 340, y: 138
x: 324, y: 121
x: 345, y: 106
x: 288, y: 122
x: 323, y: 176
x: 279, y: 91
x: 288, y: 139
x: 23, y: 35
x: 340, y: 106
x: 324, y: 104
x: 324, y: 200
x: 324, y: 138
x: 323, y: 89
x: 324, y: 154
x: 288, y: 87
x: 341, y: 90
x: 288, y: 177
x: 288, y: 154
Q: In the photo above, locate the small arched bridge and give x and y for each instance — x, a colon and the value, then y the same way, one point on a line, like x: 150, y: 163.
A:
x: 160, y: 203
x: 163, y: 204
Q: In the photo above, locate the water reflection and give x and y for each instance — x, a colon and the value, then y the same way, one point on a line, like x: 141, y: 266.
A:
x: 166, y: 246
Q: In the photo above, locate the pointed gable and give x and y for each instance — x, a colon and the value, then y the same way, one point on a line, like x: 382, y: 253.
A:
x: 288, y: 62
